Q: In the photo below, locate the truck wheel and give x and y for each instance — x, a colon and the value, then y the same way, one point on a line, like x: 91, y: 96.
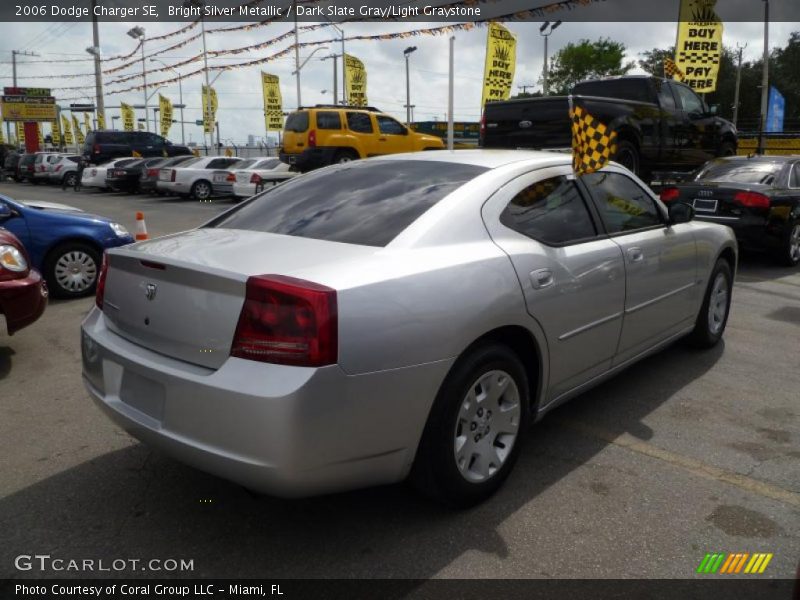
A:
x: 628, y: 156
x: 727, y: 149
x: 345, y: 156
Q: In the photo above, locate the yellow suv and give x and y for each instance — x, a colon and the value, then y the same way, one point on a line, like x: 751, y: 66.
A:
x: 325, y: 134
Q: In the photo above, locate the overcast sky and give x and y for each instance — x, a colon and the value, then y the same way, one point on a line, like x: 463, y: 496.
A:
x: 239, y: 92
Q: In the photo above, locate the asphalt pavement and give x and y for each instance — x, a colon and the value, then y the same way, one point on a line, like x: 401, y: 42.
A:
x: 685, y: 453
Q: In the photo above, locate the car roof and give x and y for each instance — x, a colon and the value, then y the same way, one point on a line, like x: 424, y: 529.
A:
x: 491, y: 159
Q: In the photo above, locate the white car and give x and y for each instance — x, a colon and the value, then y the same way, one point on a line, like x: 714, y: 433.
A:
x: 43, y: 164
x: 264, y: 174
x: 194, y: 177
x: 96, y: 176
x: 65, y: 170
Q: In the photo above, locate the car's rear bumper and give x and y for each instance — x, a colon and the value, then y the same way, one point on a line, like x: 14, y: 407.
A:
x: 287, y: 431
x: 173, y: 187
x: 310, y: 158
x: 222, y: 189
x: 23, y: 301
x: 244, y: 190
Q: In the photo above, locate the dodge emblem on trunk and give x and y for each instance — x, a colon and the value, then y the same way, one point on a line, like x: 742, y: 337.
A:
x: 150, y: 291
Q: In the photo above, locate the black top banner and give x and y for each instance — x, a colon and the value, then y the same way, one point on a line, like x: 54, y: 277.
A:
x: 258, y: 11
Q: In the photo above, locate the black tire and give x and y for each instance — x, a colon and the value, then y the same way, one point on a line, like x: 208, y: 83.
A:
x: 436, y: 471
x: 727, y: 149
x: 78, y: 250
x: 201, y: 190
x: 345, y: 156
x: 708, y: 329
x: 628, y: 156
x: 70, y: 180
x: 788, y: 254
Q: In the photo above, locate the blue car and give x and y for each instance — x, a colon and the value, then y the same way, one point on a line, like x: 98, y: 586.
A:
x: 65, y: 244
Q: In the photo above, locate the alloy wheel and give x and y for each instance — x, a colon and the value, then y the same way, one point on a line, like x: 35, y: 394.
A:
x: 718, y: 304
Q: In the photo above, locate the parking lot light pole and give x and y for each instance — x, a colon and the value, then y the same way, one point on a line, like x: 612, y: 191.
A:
x: 300, y: 68
x: 408, y: 52
x: 545, y: 31
x: 180, y: 94
x: 137, y: 33
x: 335, y: 78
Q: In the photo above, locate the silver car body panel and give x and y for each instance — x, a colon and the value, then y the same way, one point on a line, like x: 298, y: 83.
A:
x: 160, y: 366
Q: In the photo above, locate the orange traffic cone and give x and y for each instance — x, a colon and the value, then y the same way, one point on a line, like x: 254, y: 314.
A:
x: 141, y: 228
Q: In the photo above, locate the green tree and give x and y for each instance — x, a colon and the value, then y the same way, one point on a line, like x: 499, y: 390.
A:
x: 586, y: 60
x: 653, y: 60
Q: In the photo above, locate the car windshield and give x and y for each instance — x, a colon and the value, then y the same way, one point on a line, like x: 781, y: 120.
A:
x: 366, y: 203
x: 740, y: 171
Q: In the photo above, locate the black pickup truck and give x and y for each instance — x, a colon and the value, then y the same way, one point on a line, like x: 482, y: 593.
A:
x: 662, y: 125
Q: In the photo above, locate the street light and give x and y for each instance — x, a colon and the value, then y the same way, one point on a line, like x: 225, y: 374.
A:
x: 334, y: 56
x: 114, y: 121
x: 545, y: 31
x: 408, y: 52
x: 180, y: 93
x: 137, y: 33
x: 207, y: 110
x: 300, y: 68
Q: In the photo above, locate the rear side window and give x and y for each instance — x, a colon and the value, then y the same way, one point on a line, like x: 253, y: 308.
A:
x: 634, y: 88
x: 550, y: 211
x: 297, y: 122
x: 623, y: 204
x: 795, y: 179
x: 366, y: 203
x: 327, y: 119
x: 359, y: 122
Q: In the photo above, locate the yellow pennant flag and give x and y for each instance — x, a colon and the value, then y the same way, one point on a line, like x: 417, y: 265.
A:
x: 209, y: 119
x: 101, y: 120
x: 273, y: 103
x: 56, y: 133
x: 165, y: 113
x: 501, y: 59
x: 79, y: 138
x: 20, y: 130
x: 128, y: 116
x: 2, y: 133
x: 39, y: 135
x: 355, y: 77
x: 671, y: 70
x: 87, y: 121
x: 593, y: 144
x: 698, y: 50
x: 67, y: 130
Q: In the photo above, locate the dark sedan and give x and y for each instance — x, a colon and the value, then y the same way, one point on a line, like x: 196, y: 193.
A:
x: 23, y: 292
x: 757, y: 196
x: 149, y: 176
x: 128, y: 177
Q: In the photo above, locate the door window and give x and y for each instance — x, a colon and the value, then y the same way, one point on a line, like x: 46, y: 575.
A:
x: 665, y: 97
x: 692, y: 105
x: 389, y: 126
x: 550, y: 211
x: 359, y: 122
x: 795, y: 179
x: 328, y: 120
x: 623, y: 204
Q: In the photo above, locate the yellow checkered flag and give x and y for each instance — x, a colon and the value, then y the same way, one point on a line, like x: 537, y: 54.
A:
x: 593, y: 144
x: 672, y: 71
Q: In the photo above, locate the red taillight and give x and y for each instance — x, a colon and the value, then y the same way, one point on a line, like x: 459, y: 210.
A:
x: 231, y: 177
x: 287, y: 321
x: 751, y: 199
x: 668, y: 194
x: 255, y: 178
x: 100, y: 290
x: 152, y: 172
x: 312, y: 138
x: 174, y: 173
x: 96, y: 149
x: 483, y: 126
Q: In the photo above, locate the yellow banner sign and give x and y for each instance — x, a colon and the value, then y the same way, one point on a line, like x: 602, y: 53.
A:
x: 67, y: 130
x: 209, y: 119
x: 20, y: 131
x: 101, y: 120
x: 699, y: 47
x: 56, y: 132
x: 355, y: 77
x: 26, y: 109
x: 501, y: 59
x: 78, y: 133
x: 165, y: 113
x: 128, y: 116
x: 87, y: 122
x: 40, y: 135
x: 273, y: 103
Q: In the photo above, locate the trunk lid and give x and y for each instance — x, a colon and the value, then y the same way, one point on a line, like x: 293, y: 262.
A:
x: 528, y: 123
x: 717, y: 199
x: 181, y: 295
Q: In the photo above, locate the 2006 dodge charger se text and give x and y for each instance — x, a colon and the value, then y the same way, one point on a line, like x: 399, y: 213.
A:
x: 405, y: 315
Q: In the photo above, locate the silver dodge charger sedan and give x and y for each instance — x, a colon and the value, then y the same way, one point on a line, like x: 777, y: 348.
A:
x: 402, y: 316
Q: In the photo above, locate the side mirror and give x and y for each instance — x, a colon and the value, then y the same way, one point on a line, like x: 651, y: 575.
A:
x: 713, y: 109
x: 680, y: 212
x: 6, y: 212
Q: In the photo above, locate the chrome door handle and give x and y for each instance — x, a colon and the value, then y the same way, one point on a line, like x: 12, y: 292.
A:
x: 635, y: 254
x: 542, y: 278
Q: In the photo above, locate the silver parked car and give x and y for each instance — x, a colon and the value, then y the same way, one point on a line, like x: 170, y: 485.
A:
x: 404, y: 315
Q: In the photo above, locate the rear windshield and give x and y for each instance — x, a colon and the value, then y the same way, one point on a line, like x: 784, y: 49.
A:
x: 268, y: 164
x: 245, y: 164
x: 366, y: 203
x: 191, y: 161
x: 625, y: 89
x: 297, y: 122
x: 739, y: 171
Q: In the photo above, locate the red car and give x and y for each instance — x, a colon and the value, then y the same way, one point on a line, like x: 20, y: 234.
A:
x: 23, y: 292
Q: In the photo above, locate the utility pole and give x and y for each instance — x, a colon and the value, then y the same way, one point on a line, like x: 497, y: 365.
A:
x: 98, y: 77
x: 525, y: 87
x: 764, y: 82
x: 545, y: 33
x: 407, y: 52
x: 14, y: 54
x: 738, y: 84
x: 296, y: 54
x: 335, y: 77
